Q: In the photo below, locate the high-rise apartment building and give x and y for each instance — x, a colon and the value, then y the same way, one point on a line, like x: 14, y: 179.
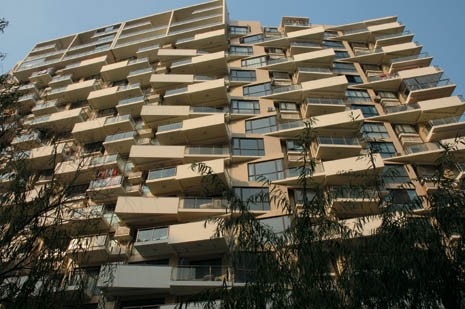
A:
x: 132, y: 105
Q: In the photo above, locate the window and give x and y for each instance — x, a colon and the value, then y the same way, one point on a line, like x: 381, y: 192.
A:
x: 333, y: 44
x: 245, y: 107
x: 403, y: 198
x: 367, y: 110
x: 294, y: 145
x: 274, y: 50
x: 254, y: 62
x: 287, y: 106
x: 387, y: 95
x: 299, y: 195
x: 405, y: 129
x: 248, y: 147
x: 341, y: 54
x: 242, y: 75
x: 394, y: 174
x: 257, y: 90
x: 268, y: 170
x: 357, y: 96
x: 354, y: 79
x: 385, y: 149
x: 252, y: 39
x: 261, y: 125
x: 240, y: 50
x: 339, y: 67
x: 239, y: 30
x: 255, y: 198
x: 374, y: 130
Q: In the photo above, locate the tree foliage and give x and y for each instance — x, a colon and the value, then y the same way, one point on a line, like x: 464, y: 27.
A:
x: 402, y: 256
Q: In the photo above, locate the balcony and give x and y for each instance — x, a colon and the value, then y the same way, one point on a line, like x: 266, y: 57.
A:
x: 310, y: 73
x: 146, y: 211
x: 424, y: 153
x: 85, y: 68
x: 46, y: 108
x: 82, y: 171
x: 168, y: 81
x: 408, y: 62
x: 335, y: 147
x: 300, y: 47
x: 149, y: 51
x: 343, y: 122
x: 74, y: 92
x: 167, y: 55
x: 119, y: 70
x: 61, y: 121
x: 350, y: 202
x: 426, y: 87
x: 108, y: 189
x: 131, y: 106
x: 153, y: 156
x: 211, y: 41
x: 323, y: 58
x: 140, y: 76
x: 97, y: 129
x: 183, y: 179
x: 186, y: 237
x: 61, y: 81
x: 423, y: 111
x: 214, y: 92
x: 41, y: 78
x: 309, y: 34
x: 354, y: 170
x: 442, y: 128
x: 45, y: 157
x: 293, y: 176
x: 321, y: 106
x: 331, y: 86
x: 214, y: 64
x: 369, y: 33
x: 119, y: 279
x: 74, y: 220
x: 385, y: 54
x: 27, y: 141
x: 205, y: 130
x: 393, y: 38
x: 94, y: 250
x: 120, y: 142
x: 109, y: 97
x: 154, y: 115
x: 26, y: 102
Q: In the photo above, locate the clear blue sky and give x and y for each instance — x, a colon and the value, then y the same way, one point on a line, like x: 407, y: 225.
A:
x: 439, y: 25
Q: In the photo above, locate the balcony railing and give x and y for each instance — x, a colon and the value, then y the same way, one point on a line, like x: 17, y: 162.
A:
x: 330, y: 101
x: 425, y: 147
x: 407, y: 58
x: 353, y: 31
x: 128, y: 87
x: 116, y: 119
x: 286, y: 88
x: 305, y: 44
x: 199, y: 273
x: 162, y: 173
x: 392, y: 35
x: 337, y: 140
x: 152, y: 234
x: 104, y: 160
x: 169, y: 127
x: 414, y: 84
x: 139, y: 60
x: 400, y: 108
x: 207, y: 150
x: 131, y: 100
x: 314, y: 70
x: 119, y: 136
x: 106, y: 182
x: 150, y: 47
x: 175, y: 91
x: 140, y: 71
x: 347, y: 192
x: 203, y: 203
x: 291, y: 125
